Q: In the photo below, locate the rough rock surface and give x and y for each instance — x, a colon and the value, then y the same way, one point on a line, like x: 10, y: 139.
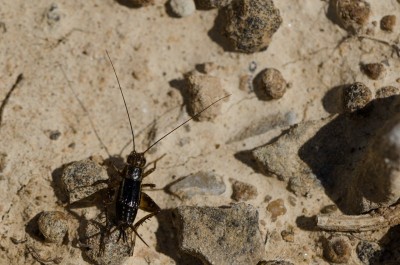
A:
x: 243, y: 191
x: 352, y: 14
x: 270, y: 84
x: 114, y: 252
x: 82, y: 179
x: 201, y: 183
x: 53, y: 226
x: 204, y: 90
x: 220, y: 235
x: 251, y: 24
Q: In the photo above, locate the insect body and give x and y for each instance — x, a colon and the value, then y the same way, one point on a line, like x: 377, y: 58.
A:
x: 130, y: 196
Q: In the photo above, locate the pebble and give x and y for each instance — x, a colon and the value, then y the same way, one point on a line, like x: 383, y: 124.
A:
x: 329, y: 209
x: 182, y: 8
x: 369, y: 252
x: 353, y: 14
x: 53, y: 226
x: 337, y: 249
x: 250, y: 24
x: 387, y: 91
x: 388, y: 22
x: 82, y: 179
x: 204, y: 90
x: 210, y: 4
x: 270, y: 84
x: 374, y: 71
x: 201, y: 183
x: 54, y: 135
x: 276, y: 208
x: 228, y: 235
x: 356, y: 96
x: 243, y: 191
x: 288, y: 235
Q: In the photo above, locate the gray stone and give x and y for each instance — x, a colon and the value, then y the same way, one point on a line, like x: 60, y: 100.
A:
x: 250, y: 24
x: 82, y: 179
x: 228, y: 235
x: 182, y: 8
x: 53, y: 226
x: 201, y: 183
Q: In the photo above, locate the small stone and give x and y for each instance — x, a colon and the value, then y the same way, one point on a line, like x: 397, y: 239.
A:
x: 201, y: 183
x: 243, y: 191
x: 82, y: 179
x: 182, y: 8
x: 245, y: 83
x: 270, y: 84
x: 276, y: 208
x: 228, y: 235
x: 251, y: 24
x: 374, y: 71
x: 288, y: 235
x: 53, y: 226
x: 210, y: 4
x: 329, y: 209
x: 388, y: 22
x: 353, y: 14
x: 356, y: 96
x: 387, y: 91
x: 203, y: 90
x: 369, y: 252
x: 54, y: 135
x: 115, y: 249
x: 53, y: 15
x: 337, y: 249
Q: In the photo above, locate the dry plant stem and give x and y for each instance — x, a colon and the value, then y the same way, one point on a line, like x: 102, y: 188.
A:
x: 382, y: 218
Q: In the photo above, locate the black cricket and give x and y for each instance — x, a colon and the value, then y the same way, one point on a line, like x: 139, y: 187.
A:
x: 130, y: 196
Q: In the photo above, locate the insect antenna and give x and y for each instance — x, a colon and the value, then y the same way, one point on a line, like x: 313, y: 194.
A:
x: 127, y: 112
x: 194, y: 116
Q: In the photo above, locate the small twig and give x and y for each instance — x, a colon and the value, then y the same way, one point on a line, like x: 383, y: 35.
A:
x: 382, y: 218
x: 8, y: 95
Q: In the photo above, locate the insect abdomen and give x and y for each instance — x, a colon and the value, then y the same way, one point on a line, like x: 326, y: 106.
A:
x: 128, y: 201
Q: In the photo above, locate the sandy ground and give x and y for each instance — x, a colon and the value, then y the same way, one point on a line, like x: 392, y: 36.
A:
x: 151, y: 52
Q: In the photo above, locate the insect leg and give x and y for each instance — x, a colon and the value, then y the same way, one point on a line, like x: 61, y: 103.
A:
x: 151, y: 185
x: 151, y: 170
x: 147, y: 204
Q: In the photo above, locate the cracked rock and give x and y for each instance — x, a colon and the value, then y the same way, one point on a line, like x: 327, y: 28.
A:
x: 228, y: 235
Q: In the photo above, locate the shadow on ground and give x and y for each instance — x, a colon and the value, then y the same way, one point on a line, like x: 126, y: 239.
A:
x: 340, y: 146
